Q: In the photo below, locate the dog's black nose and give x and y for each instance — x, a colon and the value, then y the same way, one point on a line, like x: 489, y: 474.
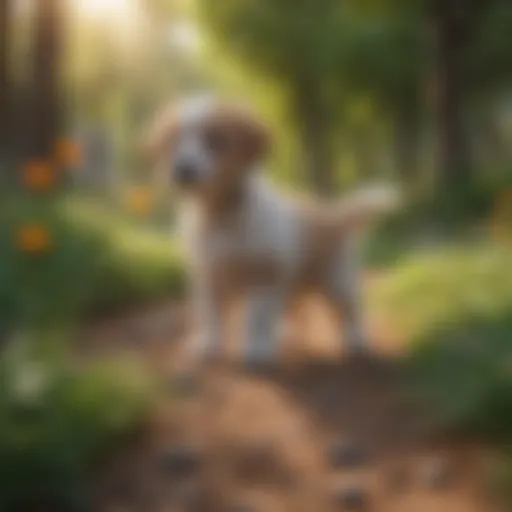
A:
x: 185, y: 173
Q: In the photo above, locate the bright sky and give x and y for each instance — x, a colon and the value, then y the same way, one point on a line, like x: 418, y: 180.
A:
x: 185, y: 36
x: 182, y: 34
x: 106, y: 9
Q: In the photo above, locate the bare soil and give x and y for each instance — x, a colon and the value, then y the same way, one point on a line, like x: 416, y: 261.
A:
x: 321, y: 432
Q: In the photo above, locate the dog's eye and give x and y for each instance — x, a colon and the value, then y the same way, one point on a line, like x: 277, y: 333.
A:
x: 215, y: 141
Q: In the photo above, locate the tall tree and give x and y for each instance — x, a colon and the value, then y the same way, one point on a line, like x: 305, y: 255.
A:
x: 46, y: 80
x: 454, y: 24
x: 295, y: 43
x: 5, y: 11
x: 385, y: 58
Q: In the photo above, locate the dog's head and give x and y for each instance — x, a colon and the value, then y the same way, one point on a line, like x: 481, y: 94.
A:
x: 206, y: 146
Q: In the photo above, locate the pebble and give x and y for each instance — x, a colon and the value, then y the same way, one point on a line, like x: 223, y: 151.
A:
x: 123, y: 488
x: 165, y: 328
x: 184, y: 384
x: 136, y: 333
x: 331, y: 397
x: 437, y: 474
x: 256, y: 459
x: 347, y: 455
x: 263, y: 368
x: 195, y: 499
x: 180, y: 461
x: 242, y: 508
x: 399, y: 478
x: 351, y: 498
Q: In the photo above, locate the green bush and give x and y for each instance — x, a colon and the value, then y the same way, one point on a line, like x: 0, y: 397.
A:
x: 464, y: 373
x: 56, y: 424
x: 455, y: 308
x: 439, y: 217
x: 96, y: 260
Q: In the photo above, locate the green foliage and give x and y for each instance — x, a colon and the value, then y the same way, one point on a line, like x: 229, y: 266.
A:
x: 279, y: 37
x: 434, y: 218
x: 385, y: 55
x: 464, y: 373
x: 57, y: 423
x: 454, y: 307
x: 95, y: 260
x: 489, y: 57
x: 499, y: 476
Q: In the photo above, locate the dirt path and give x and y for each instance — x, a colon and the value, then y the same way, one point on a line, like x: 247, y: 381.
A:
x: 321, y: 434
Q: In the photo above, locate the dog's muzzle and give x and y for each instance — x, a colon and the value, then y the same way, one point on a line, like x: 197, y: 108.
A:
x: 185, y: 174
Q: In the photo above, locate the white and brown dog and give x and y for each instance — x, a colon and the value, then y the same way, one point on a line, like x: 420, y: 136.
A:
x: 242, y: 235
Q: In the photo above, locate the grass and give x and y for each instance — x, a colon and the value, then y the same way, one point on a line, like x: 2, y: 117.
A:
x: 58, y: 423
x: 452, y: 303
x: 440, y: 217
x: 454, y: 306
x: 94, y: 260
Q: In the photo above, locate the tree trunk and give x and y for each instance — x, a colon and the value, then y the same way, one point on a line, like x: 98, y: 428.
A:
x: 449, y: 32
x: 406, y: 144
x: 45, y: 87
x: 489, y: 136
x: 5, y: 96
x: 314, y: 135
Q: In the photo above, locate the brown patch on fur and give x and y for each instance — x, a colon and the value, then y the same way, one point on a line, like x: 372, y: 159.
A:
x: 239, y: 274
x: 248, y: 140
x: 324, y: 236
x: 240, y: 141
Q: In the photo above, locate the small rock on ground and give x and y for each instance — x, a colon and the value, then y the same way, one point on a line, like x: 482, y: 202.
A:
x: 351, y: 498
x: 437, y: 474
x: 180, y: 461
x: 347, y: 455
x: 184, y: 384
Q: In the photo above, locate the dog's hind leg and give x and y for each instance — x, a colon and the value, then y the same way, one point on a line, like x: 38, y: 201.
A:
x: 264, y: 311
x: 345, y: 292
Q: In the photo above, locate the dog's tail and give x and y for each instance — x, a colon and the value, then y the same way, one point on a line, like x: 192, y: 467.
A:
x: 365, y: 206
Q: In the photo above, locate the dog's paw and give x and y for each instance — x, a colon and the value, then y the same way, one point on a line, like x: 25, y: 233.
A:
x: 203, y: 348
x: 359, y: 351
x: 259, y: 362
x: 363, y: 357
x: 358, y: 347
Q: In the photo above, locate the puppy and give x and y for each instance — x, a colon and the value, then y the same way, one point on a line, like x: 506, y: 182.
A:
x: 243, y: 236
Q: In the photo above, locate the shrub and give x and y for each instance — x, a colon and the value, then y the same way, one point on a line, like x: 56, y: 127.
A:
x: 441, y: 216
x: 464, y: 372
x: 56, y: 424
x: 455, y: 308
x: 94, y: 260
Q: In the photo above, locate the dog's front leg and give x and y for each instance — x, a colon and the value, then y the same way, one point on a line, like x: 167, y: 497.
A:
x: 207, y: 320
x: 264, y: 309
x: 348, y: 307
x: 354, y: 332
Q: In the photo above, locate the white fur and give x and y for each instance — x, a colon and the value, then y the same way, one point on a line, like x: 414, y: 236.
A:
x: 266, y: 227
x: 270, y: 227
x: 191, y: 149
x: 195, y: 109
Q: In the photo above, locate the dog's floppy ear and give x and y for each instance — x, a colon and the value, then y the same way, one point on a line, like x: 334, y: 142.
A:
x: 255, y: 138
x: 158, y: 137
